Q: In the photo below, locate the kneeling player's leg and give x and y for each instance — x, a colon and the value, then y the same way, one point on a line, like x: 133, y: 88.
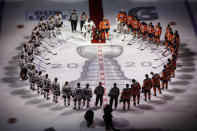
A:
x: 138, y: 99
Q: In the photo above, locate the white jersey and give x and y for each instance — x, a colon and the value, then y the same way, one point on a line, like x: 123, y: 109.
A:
x: 89, y: 25
x: 42, y: 22
x: 50, y: 23
x: 58, y: 19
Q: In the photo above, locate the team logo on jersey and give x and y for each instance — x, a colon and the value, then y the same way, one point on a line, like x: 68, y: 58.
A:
x: 89, y: 25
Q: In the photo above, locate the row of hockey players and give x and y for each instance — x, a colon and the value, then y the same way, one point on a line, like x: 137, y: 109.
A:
x: 52, y: 26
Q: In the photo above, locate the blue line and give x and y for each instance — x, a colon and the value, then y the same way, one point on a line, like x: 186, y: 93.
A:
x: 2, y: 2
x: 191, y: 15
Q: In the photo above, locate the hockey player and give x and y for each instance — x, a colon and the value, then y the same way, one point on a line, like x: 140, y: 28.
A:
x: 104, y: 26
x: 99, y: 91
x: 88, y: 28
x: 58, y: 23
x: 51, y: 26
x: 169, y: 66
x: 155, y: 83
x: 147, y: 85
x: 83, y: 19
x: 30, y: 63
x: 135, y: 91
x: 114, y: 94
x: 157, y: 33
x: 143, y: 30
x: 42, y: 21
x: 150, y: 32
x: 121, y: 19
x: 126, y: 96
x: 56, y: 90
x: 47, y: 86
x: 31, y: 76
x: 78, y: 94
x: 136, y: 25
x: 87, y: 95
x: 23, y: 68
x: 39, y: 82
x: 165, y: 78
x: 67, y: 92
x: 129, y: 23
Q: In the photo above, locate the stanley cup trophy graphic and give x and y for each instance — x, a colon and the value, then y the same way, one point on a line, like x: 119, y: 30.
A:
x: 90, y: 73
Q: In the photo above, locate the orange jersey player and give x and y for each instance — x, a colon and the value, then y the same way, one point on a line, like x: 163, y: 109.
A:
x: 126, y: 96
x: 173, y: 67
x: 136, y: 25
x: 104, y: 27
x: 157, y: 33
x: 169, y: 66
x: 121, y: 19
x: 147, y: 85
x: 129, y: 23
x: 165, y: 78
x: 135, y: 91
x: 150, y: 31
x: 143, y: 30
x: 168, y: 29
x: 156, y: 83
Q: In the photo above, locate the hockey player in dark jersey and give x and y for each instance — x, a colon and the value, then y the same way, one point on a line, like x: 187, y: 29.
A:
x: 97, y: 34
x: 47, y: 86
x: 87, y: 95
x: 126, y: 96
x: 114, y: 94
x: 78, y: 94
x: 147, y: 85
x: 56, y: 90
x: 99, y: 91
x: 67, y: 92
x: 135, y: 91
x: 156, y: 83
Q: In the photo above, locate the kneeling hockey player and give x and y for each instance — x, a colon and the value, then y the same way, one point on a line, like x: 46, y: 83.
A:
x: 88, y: 28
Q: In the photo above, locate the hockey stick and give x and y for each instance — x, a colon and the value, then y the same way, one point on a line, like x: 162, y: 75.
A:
x: 146, y: 46
x: 155, y: 67
x: 42, y: 61
x: 48, y: 43
x: 155, y: 49
x: 133, y: 41
x: 165, y: 51
x: 40, y: 67
x: 49, y: 50
x: 141, y: 44
x: 44, y: 57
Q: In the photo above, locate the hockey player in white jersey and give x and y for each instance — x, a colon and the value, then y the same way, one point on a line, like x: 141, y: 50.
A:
x: 67, y: 92
x: 31, y: 76
x: 39, y: 82
x: 87, y: 95
x: 42, y: 21
x: 56, y: 90
x: 78, y: 94
x: 47, y: 86
x: 51, y: 26
x: 88, y: 28
x: 58, y: 23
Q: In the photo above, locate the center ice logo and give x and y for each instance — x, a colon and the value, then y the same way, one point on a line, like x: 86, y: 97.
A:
x: 34, y: 15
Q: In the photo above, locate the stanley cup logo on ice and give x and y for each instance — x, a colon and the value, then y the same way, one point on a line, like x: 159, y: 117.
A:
x: 91, y: 75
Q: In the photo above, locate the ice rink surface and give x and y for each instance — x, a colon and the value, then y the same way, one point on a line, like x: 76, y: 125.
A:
x: 77, y: 61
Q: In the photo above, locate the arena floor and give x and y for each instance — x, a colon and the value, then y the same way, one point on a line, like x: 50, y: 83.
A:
x: 77, y: 61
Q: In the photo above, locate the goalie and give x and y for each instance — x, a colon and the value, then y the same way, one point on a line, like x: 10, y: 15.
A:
x: 88, y: 28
